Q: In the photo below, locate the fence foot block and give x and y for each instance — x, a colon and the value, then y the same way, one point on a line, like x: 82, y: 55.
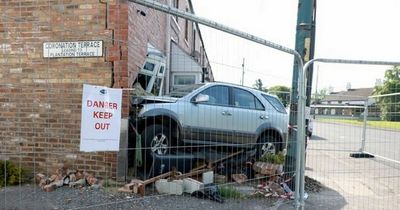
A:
x: 361, y: 155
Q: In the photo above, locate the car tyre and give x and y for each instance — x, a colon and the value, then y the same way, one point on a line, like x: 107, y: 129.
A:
x: 267, y: 144
x: 157, y: 139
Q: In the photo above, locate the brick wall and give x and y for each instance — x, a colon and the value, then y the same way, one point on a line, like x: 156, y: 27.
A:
x: 40, y: 98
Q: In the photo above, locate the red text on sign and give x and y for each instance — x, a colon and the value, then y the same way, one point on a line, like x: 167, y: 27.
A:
x: 102, y: 126
x: 102, y: 115
x: 101, y: 104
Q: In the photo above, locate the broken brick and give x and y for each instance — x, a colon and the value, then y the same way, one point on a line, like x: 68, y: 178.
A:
x: 49, y: 187
x: 239, y: 178
x: 266, y: 168
x: 79, y: 183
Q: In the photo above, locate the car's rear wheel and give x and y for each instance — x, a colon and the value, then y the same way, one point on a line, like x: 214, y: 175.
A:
x: 267, y: 143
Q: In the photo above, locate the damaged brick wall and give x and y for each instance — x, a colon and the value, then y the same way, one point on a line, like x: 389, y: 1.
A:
x: 146, y: 25
x: 40, y: 98
x: 117, y: 52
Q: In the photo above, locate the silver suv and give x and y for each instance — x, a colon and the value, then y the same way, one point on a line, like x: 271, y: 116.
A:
x: 211, y: 114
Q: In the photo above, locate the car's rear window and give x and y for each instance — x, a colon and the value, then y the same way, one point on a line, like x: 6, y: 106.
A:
x: 275, y: 103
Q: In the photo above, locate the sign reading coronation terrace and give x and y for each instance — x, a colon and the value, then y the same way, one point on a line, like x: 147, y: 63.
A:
x: 73, y: 49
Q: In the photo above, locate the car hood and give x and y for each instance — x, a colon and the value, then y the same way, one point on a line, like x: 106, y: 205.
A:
x: 136, y: 100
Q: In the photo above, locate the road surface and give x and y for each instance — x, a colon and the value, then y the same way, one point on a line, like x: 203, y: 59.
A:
x: 364, y: 183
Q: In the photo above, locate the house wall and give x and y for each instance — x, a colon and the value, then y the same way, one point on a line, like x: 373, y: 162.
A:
x: 183, y: 64
x: 40, y: 98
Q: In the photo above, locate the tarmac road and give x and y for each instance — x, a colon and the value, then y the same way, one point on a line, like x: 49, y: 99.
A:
x: 364, y: 183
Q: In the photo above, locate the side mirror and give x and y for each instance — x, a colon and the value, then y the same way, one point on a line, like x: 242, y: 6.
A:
x: 201, y: 98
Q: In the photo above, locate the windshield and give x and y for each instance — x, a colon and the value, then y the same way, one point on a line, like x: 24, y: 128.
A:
x: 179, y: 92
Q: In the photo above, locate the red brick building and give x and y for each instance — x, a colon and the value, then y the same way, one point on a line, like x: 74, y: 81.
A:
x: 40, y: 97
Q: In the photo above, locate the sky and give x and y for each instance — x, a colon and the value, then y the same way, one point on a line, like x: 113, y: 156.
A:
x: 345, y: 29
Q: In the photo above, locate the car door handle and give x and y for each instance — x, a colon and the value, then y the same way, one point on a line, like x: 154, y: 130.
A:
x: 264, y: 117
x: 226, y: 113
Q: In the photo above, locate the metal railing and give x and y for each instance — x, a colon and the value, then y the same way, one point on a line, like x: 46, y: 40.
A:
x: 302, y: 102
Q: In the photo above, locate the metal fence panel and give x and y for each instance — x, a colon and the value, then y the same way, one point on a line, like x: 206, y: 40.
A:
x: 225, y: 141
x: 354, y: 178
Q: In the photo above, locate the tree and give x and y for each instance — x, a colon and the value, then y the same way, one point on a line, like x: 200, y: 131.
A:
x: 282, y: 92
x: 320, y: 95
x: 258, y: 85
x: 389, y: 105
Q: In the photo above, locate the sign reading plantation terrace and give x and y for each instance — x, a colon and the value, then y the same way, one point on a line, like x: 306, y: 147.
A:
x: 101, y: 118
x: 73, y: 49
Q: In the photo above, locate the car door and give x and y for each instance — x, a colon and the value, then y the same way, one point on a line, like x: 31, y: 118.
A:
x: 248, y: 115
x: 210, y: 120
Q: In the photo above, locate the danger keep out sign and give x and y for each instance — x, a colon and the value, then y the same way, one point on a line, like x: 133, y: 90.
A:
x: 101, y: 118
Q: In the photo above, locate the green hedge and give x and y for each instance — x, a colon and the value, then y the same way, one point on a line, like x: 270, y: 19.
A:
x: 11, y: 174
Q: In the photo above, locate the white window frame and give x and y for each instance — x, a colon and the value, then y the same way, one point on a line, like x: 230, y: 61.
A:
x: 159, y: 63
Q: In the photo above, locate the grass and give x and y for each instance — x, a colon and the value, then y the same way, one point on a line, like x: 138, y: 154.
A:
x: 229, y: 192
x: 374, y: 124
x: 278, y: 158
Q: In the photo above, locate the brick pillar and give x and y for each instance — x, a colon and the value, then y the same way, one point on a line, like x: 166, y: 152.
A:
x: 117, y: 54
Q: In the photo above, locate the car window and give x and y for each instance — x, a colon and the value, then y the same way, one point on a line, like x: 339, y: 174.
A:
x: 275, y: 103
x: 218, y: 95
x: 245, y: 99
x: 259, y: 105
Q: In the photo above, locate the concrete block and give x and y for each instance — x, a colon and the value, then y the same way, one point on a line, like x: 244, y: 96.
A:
x: 174, y: 187
x: 190, y: 185
x: 208, y: 177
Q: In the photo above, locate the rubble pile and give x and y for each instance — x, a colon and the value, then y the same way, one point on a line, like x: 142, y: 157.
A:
x: 261, y: 179
x: 268, y: 176
x: 273, y: 189
x: 198, y: 182
x: 272, y: 184
x: 67, y: 177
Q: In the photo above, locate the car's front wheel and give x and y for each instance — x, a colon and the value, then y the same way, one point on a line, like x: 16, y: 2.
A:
x: 157, y: 140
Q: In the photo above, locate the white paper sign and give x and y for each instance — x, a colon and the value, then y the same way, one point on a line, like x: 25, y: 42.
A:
x: 101, y: 118
x: 93, y: 48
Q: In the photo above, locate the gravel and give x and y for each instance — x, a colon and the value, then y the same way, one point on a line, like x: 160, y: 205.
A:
x: 32, y: 197
x: 312, y: 185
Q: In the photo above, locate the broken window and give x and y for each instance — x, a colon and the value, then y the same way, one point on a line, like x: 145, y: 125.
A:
x: 149, y: 66
x: 151, y: 75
